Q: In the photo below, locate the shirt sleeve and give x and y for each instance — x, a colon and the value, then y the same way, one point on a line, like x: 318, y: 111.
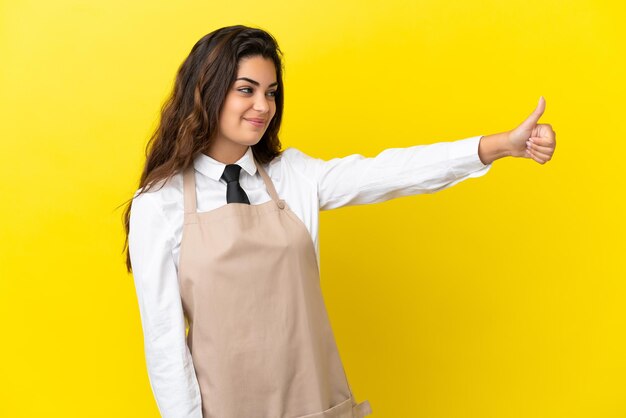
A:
x: 395, y: 172
x: 168, y: 360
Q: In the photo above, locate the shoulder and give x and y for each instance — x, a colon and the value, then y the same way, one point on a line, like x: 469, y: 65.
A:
x: 163, y: 196
x: 295, y: 155
x: 294, y: 163
x: 297, y: 159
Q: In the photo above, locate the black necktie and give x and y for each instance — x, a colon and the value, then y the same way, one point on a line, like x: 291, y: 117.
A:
x: 234, y: 192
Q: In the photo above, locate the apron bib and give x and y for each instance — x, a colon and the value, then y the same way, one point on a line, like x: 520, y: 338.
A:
x: 259, y: 334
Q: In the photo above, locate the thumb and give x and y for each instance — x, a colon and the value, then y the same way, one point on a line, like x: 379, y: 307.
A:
x: 532, y: 120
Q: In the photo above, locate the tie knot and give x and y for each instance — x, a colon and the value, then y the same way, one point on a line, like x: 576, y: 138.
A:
x: 231, y: 173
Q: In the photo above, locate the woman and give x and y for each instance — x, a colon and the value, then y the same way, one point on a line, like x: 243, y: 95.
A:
x: 222, y: 234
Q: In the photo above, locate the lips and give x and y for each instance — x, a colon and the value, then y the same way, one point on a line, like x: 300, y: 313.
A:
x: 256, y: 122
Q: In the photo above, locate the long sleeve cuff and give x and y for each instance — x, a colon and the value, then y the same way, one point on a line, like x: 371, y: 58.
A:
x: 464, y: 153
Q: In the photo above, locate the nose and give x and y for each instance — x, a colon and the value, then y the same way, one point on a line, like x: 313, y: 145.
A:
x: 261, y: 104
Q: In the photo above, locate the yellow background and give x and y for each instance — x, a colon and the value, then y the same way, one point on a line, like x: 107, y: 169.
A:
x: 503, y: 296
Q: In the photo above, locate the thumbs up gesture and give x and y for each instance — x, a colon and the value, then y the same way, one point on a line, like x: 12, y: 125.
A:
x: 531, y: 139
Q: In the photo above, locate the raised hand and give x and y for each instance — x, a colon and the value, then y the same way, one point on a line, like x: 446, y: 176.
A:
x: 533, y: 140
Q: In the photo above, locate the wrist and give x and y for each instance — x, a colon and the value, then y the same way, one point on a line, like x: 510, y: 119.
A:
x: 493, y: 147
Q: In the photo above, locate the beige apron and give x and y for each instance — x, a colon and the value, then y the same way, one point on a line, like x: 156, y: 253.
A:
x: 259, y: 334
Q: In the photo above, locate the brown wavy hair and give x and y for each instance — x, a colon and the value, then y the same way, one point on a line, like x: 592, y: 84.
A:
x: 189, y: 117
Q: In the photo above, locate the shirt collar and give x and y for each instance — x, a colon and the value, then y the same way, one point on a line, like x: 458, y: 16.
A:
x: 214, y: 169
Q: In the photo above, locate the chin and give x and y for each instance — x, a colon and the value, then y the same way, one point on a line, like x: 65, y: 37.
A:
x: 254, y: 141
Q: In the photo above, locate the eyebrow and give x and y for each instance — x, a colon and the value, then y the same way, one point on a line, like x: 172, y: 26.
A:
x: 256, y: 83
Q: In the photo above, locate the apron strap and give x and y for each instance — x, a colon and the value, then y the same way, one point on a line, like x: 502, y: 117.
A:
x: 362, y: 409
x: 269, y: 185
x: 189, y: 190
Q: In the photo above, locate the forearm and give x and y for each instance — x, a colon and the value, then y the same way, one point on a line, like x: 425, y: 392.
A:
x: 493, y: 147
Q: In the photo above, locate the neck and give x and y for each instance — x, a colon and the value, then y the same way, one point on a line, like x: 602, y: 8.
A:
x: 227, y: 153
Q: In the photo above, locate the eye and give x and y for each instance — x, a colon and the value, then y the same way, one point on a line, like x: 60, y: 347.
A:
x: 249, y: 90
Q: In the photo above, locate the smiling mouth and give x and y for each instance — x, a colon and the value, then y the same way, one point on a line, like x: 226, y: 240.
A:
x: 258, y: 124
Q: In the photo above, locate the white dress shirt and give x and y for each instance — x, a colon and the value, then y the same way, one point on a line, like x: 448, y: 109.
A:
x: 308, y: 185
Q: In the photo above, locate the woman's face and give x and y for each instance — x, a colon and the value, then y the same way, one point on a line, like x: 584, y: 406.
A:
x: 248, y: 108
